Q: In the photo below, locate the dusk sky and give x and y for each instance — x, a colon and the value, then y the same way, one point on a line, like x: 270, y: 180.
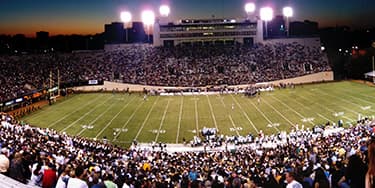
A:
x: 89, y: 16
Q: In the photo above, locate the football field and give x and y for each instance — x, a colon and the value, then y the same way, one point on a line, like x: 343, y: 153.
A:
x: 122, y: 118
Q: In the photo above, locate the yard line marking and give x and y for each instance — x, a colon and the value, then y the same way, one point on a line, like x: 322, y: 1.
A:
x: 326, y: 107
x: 108, y: 108
x: 305, y: 106
x: 300, y: 115
x: 234, y: 125
x: 179, y: 119
x: 126, y: 123
x: 74, y: 111
x: 222, y: 102
x: 265, y: 101
x: 114, y: 117
x: 196, y: 117
x: 212, y: 112
x: 353, y: 96
x: 146, y: 119
x: 344, y: 101
x: 84, y: 115
x: 244, y: 113
x: 37, y: 114
x: 325, y: 118
x: 162, y: 120
x: 265, y: 117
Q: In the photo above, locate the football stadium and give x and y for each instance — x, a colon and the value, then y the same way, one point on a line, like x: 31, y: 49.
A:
x: 256, y: 101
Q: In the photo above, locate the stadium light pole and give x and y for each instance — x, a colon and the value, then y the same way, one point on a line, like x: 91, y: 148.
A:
x: 164, y: 10
x: 126, y: 17
x: 148, y: 18
x: 249, y: 9
x: 288, y: 12
x: 266, y: 14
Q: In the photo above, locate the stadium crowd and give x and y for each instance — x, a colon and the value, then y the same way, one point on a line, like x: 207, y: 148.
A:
x: 301, y: 158
x: 178, y: 66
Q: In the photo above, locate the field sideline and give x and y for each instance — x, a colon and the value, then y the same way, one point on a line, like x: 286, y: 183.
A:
x: 122, y: 118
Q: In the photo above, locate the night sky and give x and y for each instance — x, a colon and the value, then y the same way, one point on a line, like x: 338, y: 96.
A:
x: 89, y: 16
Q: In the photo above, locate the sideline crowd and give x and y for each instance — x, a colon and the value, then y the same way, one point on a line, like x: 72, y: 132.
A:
x: 299, y: 159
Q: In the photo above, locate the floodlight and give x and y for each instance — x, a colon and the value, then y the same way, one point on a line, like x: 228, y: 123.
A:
x: 126, y: 16
x: 249, y: 7
x: 288, y: 12
x: 266, y: 14
x: 164, y: 10
x: 148, y: 17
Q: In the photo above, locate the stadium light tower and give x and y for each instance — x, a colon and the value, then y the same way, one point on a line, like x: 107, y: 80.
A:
x: 164, y: 10
x: 126, y: 17
x: 148, y: 18
x: 288, y: 12
x: 266, y: 14
x: 249, y: 9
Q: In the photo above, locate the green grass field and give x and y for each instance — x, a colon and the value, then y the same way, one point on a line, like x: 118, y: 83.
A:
x: 170, y: 119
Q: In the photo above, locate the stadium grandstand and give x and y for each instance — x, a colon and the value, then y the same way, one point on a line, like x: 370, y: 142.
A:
x: 205, y: 32
x: 197, y: 57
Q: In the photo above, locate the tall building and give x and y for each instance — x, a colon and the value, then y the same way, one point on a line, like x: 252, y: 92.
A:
x: 305, y: 28
x: 138, y: 33
x: 114, y: 33
x: 42, y: 38
x: 276, y: 27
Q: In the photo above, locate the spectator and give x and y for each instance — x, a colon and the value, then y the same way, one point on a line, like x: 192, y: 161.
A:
x: 79, y: 180
x: 290, y: 179
x: 370, y: 175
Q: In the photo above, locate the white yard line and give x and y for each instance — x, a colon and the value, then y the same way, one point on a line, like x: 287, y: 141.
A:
x: 84, y: 115
x: 126, y: 123
x: 244, y: 113
x: 353, y: 96
x: 179, y: 119
x: 114, y: 117
x: 234, y: 125
x: 38, y: 113
x: 146, y: 119
x: 344, y: 101
x: 196, y: 117
x: 222, y: 102
x: 67, y: 115
x: 265, y: 117
x: 307, y: 107
x: 300, y: 115
x: 93, y: 121
x: 326, y: 108
x: 212, y: 112
x: 265, y: 101
x: 162, y: 121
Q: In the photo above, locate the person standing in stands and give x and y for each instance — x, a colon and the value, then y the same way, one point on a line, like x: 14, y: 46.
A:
x: 370, y: 175
x: 290, y: 179
x: 79, y: 180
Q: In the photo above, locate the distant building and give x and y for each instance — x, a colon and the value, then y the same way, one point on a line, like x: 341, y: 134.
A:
x: 138, y: 33
x: 276, y: 27
x: 306, y: 28
x: 114, y: 33
x: 42, y: 38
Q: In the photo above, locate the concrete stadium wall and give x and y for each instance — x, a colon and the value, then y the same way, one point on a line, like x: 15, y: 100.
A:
x: 109, y: 86
x: 311, y: 42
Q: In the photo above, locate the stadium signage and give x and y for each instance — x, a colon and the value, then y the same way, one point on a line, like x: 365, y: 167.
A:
x: 93, y: 82
x: 53, y: 89
x: 9, y: 103
x: 19, y: 100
